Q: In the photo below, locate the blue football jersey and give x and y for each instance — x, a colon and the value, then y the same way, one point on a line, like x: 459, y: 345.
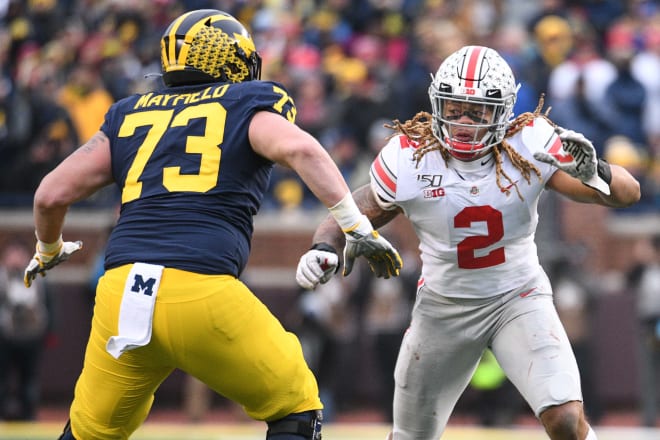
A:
x: 189, y: 179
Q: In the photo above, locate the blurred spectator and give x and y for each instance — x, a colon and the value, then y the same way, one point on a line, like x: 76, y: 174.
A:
x: 387, y: 316
x: 575, y: 300
x: 327, y: 322
x: 553, y: 42
x: 317, y: 108
x: 546, y: 8
x: 585, y: 115
x: 52, y: 134
x: 600, y: 14
x: 625, y: 94
x: 86, y: 99
x: 645, y: 67
x: 586, y: 64
x: 433, y: 38
x: 644, y: 281
x: 25, y: 323
x: 368, y: 96
x: 511, y: 41
x: 622, y: 151
x: 15, y: 127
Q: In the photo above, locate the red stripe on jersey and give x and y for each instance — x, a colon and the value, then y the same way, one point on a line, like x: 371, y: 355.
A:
x: 406, y: 142
x: 470, y: 75
x: 383, y: 176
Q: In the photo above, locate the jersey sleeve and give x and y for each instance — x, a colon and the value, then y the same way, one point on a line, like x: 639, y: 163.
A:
x: 387, y: 169
x: 271, y: 96
x: 540, y: 135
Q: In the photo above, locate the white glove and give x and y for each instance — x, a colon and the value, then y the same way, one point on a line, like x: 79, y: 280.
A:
x: 317, y: 265
x: 363, y: 240
x: 45, y: 258
x: 580, y: 162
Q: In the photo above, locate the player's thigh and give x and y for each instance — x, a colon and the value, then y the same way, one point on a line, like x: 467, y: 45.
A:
x: 247, y: 356
x: 533, y: 350
x: 438, y: 356
x: 113, y: 396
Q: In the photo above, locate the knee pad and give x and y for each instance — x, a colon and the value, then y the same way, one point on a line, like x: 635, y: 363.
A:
x: 67, y: 434
x: 297, y: 426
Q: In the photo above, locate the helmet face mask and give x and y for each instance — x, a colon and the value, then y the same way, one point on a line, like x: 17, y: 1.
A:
x: 472, y: 96
x: 208, y: 46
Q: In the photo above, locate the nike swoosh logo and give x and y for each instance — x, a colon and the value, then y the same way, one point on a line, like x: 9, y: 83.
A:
x: 508, y: 187
x: 526, y: 293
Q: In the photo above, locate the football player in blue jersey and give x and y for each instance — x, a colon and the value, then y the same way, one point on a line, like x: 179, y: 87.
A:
x: 193, y: 161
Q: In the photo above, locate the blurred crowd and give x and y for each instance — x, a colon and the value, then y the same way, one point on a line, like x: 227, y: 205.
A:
x: 351, y: 66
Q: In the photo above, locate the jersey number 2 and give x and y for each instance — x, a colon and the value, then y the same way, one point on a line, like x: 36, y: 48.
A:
x: 467, y: 258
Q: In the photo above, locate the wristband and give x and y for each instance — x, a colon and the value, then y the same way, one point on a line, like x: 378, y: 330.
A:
x: 325, y: 247
x: 49, y: 248
x: 346, y: 213
x: 604, y: 170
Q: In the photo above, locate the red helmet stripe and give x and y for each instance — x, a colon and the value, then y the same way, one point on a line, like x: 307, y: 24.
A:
x: 474, y: 61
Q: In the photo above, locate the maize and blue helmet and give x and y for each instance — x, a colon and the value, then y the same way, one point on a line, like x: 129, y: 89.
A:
x: 208, y: 45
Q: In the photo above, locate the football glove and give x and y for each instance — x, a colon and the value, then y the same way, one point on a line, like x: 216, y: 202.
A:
x: 43, y: 260
x: 580, y: 162
x: 317, y: 265
x: 363, y: 240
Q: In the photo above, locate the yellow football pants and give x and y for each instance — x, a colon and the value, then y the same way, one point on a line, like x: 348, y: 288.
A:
x: 212, y: 327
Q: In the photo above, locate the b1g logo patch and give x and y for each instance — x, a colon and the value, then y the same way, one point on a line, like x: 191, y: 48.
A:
x: 433, y: 193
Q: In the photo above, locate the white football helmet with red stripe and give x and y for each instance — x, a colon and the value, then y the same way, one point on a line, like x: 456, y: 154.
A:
x: 472, y: 96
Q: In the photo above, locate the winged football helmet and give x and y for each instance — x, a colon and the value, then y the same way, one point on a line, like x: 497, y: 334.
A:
x: 476, y: 82
x: 208, y: 45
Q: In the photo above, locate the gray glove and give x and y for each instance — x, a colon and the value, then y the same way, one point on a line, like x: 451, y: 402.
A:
x: 580, y: 162
x: 363, y: 240
x: 41, y: 261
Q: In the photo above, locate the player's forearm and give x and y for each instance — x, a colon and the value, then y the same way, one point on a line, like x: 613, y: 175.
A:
x: 624, y: 189
x: 49, y: 222
x: 329, y: 232
x: 366, y: 201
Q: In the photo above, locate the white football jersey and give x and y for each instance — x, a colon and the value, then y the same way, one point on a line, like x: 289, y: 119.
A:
x: 475, y: 239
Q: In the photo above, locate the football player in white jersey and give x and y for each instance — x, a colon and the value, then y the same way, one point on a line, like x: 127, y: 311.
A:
x: 468, y: 177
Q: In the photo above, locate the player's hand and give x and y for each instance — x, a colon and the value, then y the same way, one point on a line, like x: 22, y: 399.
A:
x: 363, y: 240
x: 43, y: 261
x: 580, y: 162
x: 318, y: 265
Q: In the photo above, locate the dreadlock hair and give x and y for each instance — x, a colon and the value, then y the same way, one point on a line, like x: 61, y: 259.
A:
x: 419, y: 129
